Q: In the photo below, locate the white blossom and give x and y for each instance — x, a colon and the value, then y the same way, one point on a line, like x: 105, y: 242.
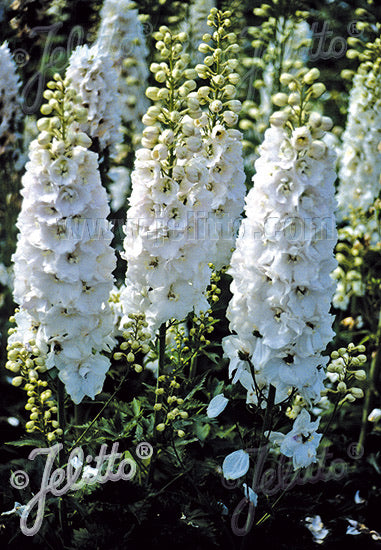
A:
x: 120, y: 186
x: 236, y: 464
x: 360, y: 165
x: 301, y: 442
x: 177, y: 225
x: 250, y: 494
x: 316, y: 526
x: 375, y: 415
x: 217, y: 405
x: 195, y: 25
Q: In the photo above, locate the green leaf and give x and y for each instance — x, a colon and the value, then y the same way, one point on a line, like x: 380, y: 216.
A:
x: 202, y: 431
x: 25, y: 442
x: 135, y: 406
x: 196, y: 388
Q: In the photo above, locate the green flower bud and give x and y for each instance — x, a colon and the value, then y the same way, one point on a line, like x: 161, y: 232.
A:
x: 357, y: 393
x: 17, y: 381
x: 311, y: 76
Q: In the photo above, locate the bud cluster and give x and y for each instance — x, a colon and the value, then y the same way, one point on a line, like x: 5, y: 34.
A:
x: 27, y: 363
x: 169, y: 407
x: 343, y: 372
x: 135, y: 341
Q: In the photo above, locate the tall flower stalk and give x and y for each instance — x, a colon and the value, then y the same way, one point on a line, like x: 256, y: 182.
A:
x: 360, y: 163
x: 282, y: 289
x: 63, y: 261
x: 121, y: 34
x: 188, y: 179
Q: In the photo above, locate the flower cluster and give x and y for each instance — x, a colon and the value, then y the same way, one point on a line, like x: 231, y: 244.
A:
x: 121, y: 34
x: 26, y: 361
x: 361, y: 155
x: 188, y: 182
x: 9, y: 91
x: 281, y: 267
x: 222, y: 144
x: 135, y: 341
x: 196, y: 25
x: 168, y: 407
x: 64, y: 261
x: 354, y: 242
x: 343, y: 371
x: 92, y: 74
x: 280, y: 45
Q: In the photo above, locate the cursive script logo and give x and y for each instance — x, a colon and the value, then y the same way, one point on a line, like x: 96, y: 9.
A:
x: 59, y: 481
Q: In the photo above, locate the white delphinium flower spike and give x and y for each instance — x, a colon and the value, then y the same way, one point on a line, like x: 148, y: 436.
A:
x: 282, y: 289
x: 360, y: 162
x: 195, y: 25
x: 64, y: 261
x: 9, y: 91
x: 121, y: 33
x: 93, y: 76
x: 188, y: 181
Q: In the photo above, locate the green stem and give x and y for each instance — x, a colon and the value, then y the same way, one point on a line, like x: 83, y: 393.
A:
x: 101, y: 411
x: 161, y: 363
x: 371, y: 389
x: 260, y: 458
x: 193, y: 366
x: 62, y: 513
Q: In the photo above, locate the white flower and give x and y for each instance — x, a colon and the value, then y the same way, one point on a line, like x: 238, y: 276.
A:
x: 358, y: 499
x: 360, y: 159
x: 236, y: 464
x: 177, y: 225
x: 301, y: 442
x: 195, y: 26
x: 352, y: 528
x: 63, y: 266
x: 316, y: 526
x: 217, y: 405
x: 375, y: 415
x: 17, y: 509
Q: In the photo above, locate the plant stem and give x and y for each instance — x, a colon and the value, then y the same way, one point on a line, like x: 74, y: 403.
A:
x: 161, y: 363
x: 193, y: 366
x: 373, y: 372
x: 62, y: 460
x: 260, y: 459
x: 101, y: 411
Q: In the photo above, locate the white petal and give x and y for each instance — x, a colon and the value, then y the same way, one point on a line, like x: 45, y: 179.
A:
x: 358, y: 499
x: 236, y: 465
x: 250, y: 494
x: 217, y: 405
